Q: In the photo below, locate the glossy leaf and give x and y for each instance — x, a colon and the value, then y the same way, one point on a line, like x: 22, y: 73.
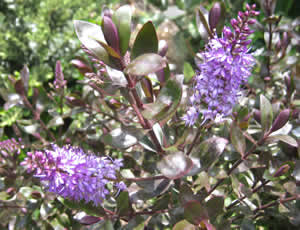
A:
x: 237, y: 139
x: 145, y: 42
x: 166, y: 103
x: 111, y: 51
x: 266, y: 113
x: 285, y: 138
x: 145, y: 64
x: 195, y: 212
x: 184, y: 225
x: 122, y: 20
x: 123, y: 137
x: 175, y: 165
x: 207, y: 153
x: 123, y: 204
x: 201, y: 19
x: 88, y: 33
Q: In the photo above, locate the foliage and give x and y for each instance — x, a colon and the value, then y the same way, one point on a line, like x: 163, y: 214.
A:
x: 126, y: 99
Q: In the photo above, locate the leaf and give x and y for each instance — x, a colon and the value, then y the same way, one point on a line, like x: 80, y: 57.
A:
x: 188, y: 72
x: 89, y: 208
x: 89, y: 34
x: 237, y: 139
x: 184, y: 225
x: 109, y: 50
x: 88, y: 220
x: 175, y: 165
x: 215, y: 207
x: 123, y: 204
x: 266, y: 113
x: 285, y: 138
x: 145, y: 42
x: 166, y: 103
x: 145, y: 64
x: 201, y: 19
x: 195, y: 212
x: 152, y: 188
x: 123, y: 137
x: 122, y: 20
x: 207, y: 153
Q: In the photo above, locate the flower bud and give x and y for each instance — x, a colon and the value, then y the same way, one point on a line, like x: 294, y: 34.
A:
x: 280, y: 120
x: 285, y: 40
x: 214, y: 15
x: 81, y: 66
x: 251, y: 21
x: 110, y: 32
x: 233, y: 22
x: 282, y: 170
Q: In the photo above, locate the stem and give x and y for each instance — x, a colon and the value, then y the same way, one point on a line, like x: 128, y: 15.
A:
x: 279, y: 201
x: 269, y: 49
x: 253, y: 191
x: 194, y: 142
x: 146, y: 178
x: 137, y: 105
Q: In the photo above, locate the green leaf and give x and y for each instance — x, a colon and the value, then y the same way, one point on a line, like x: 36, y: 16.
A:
x: 89, y: 34
x: 109, y: 50
x: 201, y: 19
x: 215, y: 207
x: 285, y: 138
x: 175, y: 165
x: 195, y: 212
x: 188, y: 72
x: 266, y: 113
x: 89, y: 208
x: 166, y: 103
x: 123, y: 137
x: 122, y: 19
x: 123, y: 204
x: 207, y: 153
x: 145, y: 64
x: 145, y: 42
x: 108, y: 225
x: 237, y: 139
x: 184, y: 225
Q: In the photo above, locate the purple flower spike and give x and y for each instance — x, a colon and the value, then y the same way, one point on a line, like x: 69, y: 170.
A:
x: 226, y: 65
x: 71, y: 173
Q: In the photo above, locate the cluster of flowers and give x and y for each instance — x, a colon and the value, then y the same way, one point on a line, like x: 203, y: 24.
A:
x: 10, y: 145
x: 71, y: 173
x: 226, y: 65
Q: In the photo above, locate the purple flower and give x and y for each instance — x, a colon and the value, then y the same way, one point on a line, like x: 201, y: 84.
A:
x: 226, y: 65
x: 71, y: 173
x: 10, y: 145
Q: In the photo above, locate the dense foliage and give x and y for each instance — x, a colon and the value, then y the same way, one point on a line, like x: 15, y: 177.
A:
x: 157, y: 115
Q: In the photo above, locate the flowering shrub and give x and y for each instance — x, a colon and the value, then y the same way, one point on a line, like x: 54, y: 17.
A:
x: 136, y: 144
